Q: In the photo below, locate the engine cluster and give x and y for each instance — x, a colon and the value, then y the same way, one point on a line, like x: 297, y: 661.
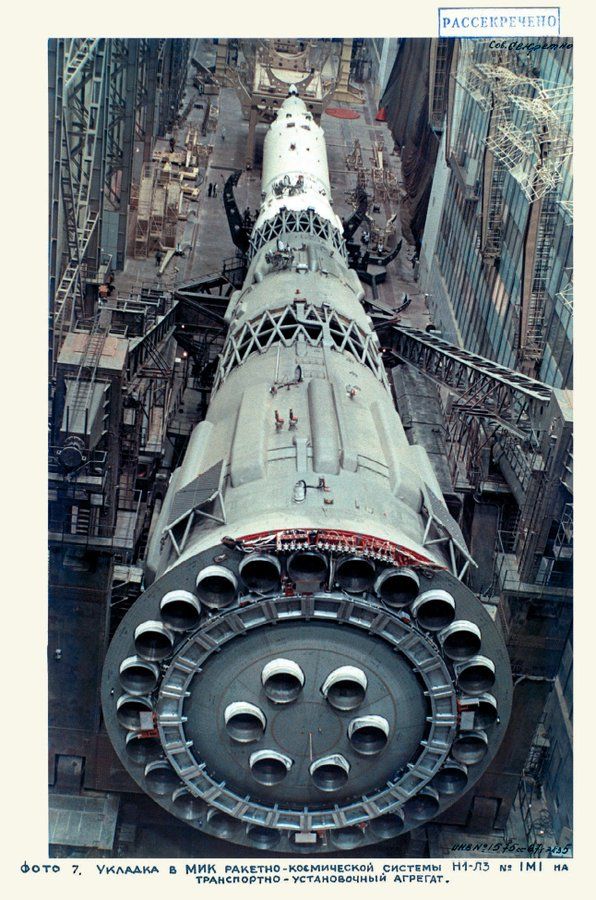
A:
x: 307, y: 699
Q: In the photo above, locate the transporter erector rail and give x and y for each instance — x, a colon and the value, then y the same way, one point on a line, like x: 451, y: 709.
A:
x: 304, y: 670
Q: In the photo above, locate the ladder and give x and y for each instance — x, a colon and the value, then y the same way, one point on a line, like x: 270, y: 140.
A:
x: 494, y: 222
x: 87, y: 371
x: 535, y: 337
x: 439, y: 83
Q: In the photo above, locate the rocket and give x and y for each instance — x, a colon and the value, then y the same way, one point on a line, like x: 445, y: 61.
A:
x: 305, y: 670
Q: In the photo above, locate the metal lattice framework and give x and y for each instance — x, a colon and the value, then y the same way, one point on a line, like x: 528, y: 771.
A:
x: 131, y: 75
x: 314, y: 325
x: 529, y: 139
x: 205, y: 491
x: 305, y: 221
x: 485, y: 389
x: 441, y: 528
x: 565, y: 295
x: 535, y: 142
x: 530, y: 128
x: 78, y: 114
x: 384, y: 181
x: 522, y: 423
x: 120, y: 117
x: 491, y: 83
x: 102, y: 98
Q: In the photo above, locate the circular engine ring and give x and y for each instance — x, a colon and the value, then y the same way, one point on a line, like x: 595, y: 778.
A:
x: 180, y: 676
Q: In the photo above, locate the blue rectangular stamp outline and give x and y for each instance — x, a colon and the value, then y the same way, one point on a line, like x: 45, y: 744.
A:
x: 441, y: 9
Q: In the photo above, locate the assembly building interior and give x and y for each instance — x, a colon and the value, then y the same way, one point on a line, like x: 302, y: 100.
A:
x: 310, y: 452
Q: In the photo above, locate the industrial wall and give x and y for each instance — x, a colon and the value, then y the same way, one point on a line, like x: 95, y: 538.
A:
x: 482, y: 249
x: 406, y: 102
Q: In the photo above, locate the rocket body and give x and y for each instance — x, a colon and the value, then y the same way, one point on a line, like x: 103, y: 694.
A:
x: 294, y: 674
x: 299, y: 311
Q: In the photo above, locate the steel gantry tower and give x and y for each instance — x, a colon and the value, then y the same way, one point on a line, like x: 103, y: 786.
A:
x: 107, y: 98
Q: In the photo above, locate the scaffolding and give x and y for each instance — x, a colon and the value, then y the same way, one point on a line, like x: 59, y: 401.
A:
x: 158, y: 209
x: 563, y: 543
x: 493, y: 85
x: 78, y: 104
x: 100, y: 105
x: 536, y: 819
x: 535, y: 141
x: 529, y: 139
x: 172, y: 210
x: 343, y: 91
x: 487, y: 82
x: 144, y: 202
x: 197, y: 153
x: 384, y: 182
x: 78, y: 404
x: 355, y: 163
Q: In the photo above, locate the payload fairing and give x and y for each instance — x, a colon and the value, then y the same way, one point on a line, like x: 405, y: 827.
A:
x: 304, y: 672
